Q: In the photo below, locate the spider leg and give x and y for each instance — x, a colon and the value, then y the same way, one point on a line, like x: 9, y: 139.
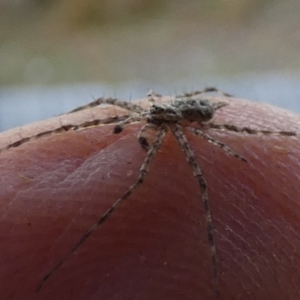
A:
x: 159, y: 137
x: 120, y: 126
x: 62, y: 128
x: 112, y: 101
x: 185, y: 147
x: 206, y: 90
x: 216, y: 143
x: 141, y: 136
x: 151, y: 95
x: 249, y: 130
x: 218, y: 105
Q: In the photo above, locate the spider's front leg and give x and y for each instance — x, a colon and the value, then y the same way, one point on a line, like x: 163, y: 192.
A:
x: 110, y: 101
x: 143, y: 141
x: 120, y: 126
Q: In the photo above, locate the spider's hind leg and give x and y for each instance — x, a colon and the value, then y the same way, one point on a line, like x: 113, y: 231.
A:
x: 216, y: 143
x: 206, y: 90
x: 152, y: 96
x: 248, y: 130
x: 218, y: 105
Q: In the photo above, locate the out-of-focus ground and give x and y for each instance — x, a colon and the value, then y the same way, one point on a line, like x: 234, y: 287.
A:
x: 55, y: 55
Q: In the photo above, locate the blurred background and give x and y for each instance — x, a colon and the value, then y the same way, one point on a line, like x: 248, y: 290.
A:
x: 56, y: 55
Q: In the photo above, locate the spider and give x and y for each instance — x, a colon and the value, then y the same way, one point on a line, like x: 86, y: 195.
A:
x: 163, y: 118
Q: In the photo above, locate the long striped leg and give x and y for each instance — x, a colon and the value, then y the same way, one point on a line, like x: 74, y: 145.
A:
x: 216, y: 143
x: 218, y: 105
x: 120, y: 126
x: 249, y: 130
x: 141, y: 136
x: 112, y: 101
x: 159, y: 137
x: 190, y: 157
x: 63, y: 128
x: 206, y: 90
x: 151, y: 95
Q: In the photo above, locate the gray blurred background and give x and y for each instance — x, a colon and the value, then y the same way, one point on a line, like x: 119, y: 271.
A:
x: 56, y: 55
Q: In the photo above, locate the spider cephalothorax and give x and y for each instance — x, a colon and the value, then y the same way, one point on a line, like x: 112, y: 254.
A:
x: 163, y: 113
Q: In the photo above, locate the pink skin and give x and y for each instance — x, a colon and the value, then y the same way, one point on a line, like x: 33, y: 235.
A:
x: 155, y: 245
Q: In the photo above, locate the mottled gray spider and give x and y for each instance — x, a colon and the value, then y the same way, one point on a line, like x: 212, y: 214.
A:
x: 184, y: 110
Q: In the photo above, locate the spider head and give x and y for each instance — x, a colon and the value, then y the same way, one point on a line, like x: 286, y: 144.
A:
x: 195, y: 110
x: 160, y: 113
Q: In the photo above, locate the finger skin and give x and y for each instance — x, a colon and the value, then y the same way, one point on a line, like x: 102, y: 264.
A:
x: 155, y: 245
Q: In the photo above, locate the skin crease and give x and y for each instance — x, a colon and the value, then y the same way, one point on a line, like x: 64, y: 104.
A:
x: 154, y: 246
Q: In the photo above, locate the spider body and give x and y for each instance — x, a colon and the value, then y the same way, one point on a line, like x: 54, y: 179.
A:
x: 181, y: 111
x: 190, y: 110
